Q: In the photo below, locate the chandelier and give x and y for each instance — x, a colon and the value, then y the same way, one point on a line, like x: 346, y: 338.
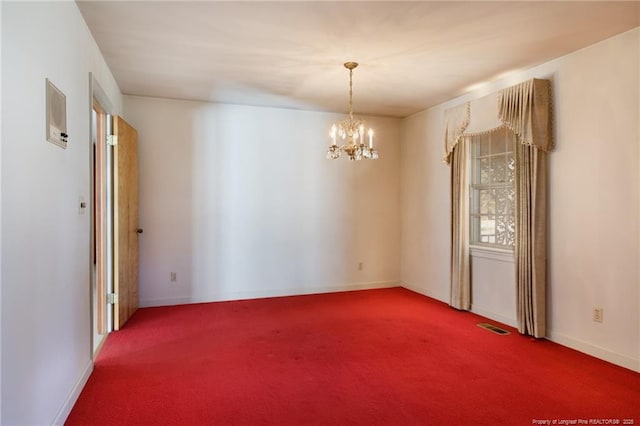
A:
x: 350, y: 131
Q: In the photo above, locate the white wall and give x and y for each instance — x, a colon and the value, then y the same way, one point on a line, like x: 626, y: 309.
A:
x: 46, y: 350
x: 594, y: 196
x: 425, y: 206
x: 240, y: 202
x: 493, y: 293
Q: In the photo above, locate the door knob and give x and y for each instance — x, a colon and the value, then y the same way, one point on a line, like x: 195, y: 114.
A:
x: 139, y: 230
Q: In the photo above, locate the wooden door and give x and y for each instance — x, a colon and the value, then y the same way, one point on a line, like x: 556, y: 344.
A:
x: 125, y: 221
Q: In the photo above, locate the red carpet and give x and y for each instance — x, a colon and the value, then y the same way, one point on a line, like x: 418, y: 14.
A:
x: 379, y: 357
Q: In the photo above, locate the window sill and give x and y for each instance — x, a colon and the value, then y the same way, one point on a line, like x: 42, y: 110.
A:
x: 491, y: 253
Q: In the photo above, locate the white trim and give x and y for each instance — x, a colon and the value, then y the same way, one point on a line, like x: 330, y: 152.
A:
x: 65, y: 410
x: 595, y: 351
x: 491, y: 253
x: 423, y: 291
x: 259, y: 294
x: 169, y: 301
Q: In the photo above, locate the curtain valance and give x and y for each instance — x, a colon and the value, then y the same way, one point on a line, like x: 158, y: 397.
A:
x: 456, y: 121
x: 525, y: 109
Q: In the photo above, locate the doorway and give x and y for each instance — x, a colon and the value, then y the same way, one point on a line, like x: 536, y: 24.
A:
x: 114, y: 220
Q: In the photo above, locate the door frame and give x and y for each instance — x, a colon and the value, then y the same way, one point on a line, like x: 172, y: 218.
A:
x: 97, y: 326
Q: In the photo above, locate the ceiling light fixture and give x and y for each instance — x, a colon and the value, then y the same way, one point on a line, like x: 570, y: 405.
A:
x: 351, y: 132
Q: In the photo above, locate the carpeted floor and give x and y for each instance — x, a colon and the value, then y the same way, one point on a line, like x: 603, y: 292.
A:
x: 377, y: 357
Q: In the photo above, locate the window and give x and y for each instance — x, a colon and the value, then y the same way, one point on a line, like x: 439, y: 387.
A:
x: 492, y: 190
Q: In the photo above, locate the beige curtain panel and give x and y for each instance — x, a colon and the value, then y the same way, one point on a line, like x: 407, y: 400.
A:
x: 456, y: 121
x: 460, y: 296
x: 525, y: 109
x: 531, y: 239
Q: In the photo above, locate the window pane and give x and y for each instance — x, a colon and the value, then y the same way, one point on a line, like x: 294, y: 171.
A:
x: 499, y: 168
x: 487, y: 202
x: 511, y: 168
x: 503, y: 200
x: 511, y: 230
x: 502, y: 234
x: 489, y: 239
x: 485, y: 170
x: 487, y: 229
x: 511, y: 195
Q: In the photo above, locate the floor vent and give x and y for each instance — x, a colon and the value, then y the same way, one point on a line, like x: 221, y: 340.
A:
x: 493, y: 328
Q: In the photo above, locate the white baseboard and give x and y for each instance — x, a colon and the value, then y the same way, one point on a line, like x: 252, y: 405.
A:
x: 595, y: 351
x: 64, y: 411
x: 260, y: 294
x: 422, y: 291
x: 170, y: 301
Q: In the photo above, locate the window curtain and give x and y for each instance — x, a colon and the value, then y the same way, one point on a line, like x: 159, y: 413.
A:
x: 531, y: 239
x: 460, y: 295
x: 455, y: 153
x: 524, y: 108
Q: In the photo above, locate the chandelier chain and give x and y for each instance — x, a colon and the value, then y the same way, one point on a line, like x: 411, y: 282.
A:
x: 351, y: 95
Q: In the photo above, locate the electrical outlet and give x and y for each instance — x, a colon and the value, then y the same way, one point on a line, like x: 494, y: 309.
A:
x: 597, y: 314
x: 174, y: 277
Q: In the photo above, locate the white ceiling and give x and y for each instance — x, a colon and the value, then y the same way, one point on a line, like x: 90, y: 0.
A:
x: 412, y: 55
